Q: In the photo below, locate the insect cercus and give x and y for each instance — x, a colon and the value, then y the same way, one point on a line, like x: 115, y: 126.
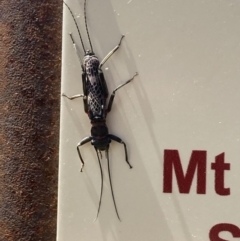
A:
x: 95, y: 94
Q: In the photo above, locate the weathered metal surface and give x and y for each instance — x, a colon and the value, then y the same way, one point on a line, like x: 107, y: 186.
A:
x: 30, y: 55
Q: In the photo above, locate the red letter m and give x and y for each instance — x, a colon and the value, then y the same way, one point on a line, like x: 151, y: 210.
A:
x: 197, y: 163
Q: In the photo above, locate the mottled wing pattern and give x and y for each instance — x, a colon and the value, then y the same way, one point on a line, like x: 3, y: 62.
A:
x: 95, y: 98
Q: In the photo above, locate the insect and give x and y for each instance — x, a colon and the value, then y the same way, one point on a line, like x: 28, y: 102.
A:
x: 95, y: 94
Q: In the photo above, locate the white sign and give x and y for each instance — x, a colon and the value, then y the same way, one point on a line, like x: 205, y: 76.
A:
x: 179, y: 118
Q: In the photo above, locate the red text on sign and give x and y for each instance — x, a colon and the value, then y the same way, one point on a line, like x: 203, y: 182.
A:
x: 197, y: 166
x: 221, y: 227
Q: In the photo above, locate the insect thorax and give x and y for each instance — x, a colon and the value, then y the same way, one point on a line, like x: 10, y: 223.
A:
x: 99, y: 132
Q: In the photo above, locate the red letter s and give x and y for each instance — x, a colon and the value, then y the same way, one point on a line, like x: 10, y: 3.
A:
x: 218, y: 228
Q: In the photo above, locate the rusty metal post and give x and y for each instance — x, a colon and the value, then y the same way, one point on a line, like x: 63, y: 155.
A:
x: 30, y: 55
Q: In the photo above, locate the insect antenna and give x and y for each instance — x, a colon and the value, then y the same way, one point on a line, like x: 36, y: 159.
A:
x: 85, y: 16
x: 100, y: 200
x: 100, y: 153
x: 76, y: 25
x: 110, y: 180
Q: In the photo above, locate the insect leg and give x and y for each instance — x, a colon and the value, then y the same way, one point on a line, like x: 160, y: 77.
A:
x: 100, y: 200
x: 117, y: 139
x: 110, y: 180
x: 82, y: 142
x: 113, y: 93
x: 110, y: 53
x: 73, y: 97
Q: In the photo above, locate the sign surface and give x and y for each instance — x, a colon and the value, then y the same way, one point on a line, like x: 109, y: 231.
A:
x: 179, y: 117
